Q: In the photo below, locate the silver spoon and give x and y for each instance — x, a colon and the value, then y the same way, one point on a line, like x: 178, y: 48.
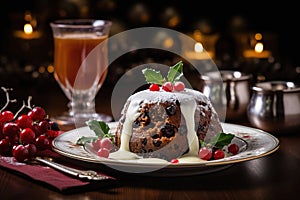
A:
x: 84, y: 174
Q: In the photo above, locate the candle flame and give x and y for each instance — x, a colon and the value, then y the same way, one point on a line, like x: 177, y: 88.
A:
x: 198, y: 47
x: 259, y: 47
x: 28, y: 29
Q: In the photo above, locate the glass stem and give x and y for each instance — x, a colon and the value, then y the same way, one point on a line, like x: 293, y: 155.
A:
x: 82, y: 104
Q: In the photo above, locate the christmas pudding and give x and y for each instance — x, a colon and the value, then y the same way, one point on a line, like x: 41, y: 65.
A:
x: 166, y: 121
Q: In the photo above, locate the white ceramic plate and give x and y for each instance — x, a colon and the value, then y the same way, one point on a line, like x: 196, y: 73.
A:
x: 254, y: 143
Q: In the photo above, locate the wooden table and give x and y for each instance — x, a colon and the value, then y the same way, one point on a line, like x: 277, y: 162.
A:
x: 275, y: 176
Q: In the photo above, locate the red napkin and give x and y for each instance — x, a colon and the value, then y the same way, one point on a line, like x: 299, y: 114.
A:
x: 51, y: 177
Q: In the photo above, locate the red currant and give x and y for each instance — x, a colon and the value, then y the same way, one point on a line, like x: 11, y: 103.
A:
x: 106, y: 143
x: 205, y: 153
x: 233, y: 148
x: 10, y: 129
x: 103, y: 152
x: 154, y: 87
x: 96, y: 144
x: 5, y: 147
x: 179, y: 86
x: 20, y: 153
x: 167, y: 86
x: 52, y: 133
x: 27, y: 136
x: 174, y: 161
x: 218, y: 154
x: 24, y: 121
x: 43, y: 126
x: 6, y: 116
x: 32, y: 150
x: 37, y: 113
x: 42, y: 142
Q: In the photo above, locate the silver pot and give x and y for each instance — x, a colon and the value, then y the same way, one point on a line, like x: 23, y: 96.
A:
x: 275, y: 107
x: 229, y: 92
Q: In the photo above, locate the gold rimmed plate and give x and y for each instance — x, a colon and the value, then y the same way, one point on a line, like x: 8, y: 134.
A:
x: 254, y: 144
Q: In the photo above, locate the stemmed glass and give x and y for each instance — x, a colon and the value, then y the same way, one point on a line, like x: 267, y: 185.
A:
x: 80, y: 66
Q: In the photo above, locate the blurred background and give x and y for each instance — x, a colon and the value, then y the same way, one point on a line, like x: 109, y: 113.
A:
x: 250, y: 36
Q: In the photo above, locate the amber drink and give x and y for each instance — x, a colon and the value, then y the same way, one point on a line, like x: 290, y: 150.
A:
x: 70, y: 52
x: 80, y: 66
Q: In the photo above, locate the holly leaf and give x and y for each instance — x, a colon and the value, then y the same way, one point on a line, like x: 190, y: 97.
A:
x: 153, y: 76
x: 82, y: 140
x: 100, y: 128
x: 175, y: 72
x: 221, y: 140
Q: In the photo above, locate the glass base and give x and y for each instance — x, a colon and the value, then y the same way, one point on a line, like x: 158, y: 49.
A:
x: 68, y: 122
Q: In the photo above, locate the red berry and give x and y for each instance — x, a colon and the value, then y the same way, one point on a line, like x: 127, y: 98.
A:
x: 20, y: 153
x: 218, y: 154
x: 167, y: 86
x: 27, y: 136
x: 96, y: 144
x: 10, y: 129
x: 233, y: 148
x: 37, y: 113
x: 14, y: 140
x: 103, y: 152
x: 179, y: 86
x: 32, y: 150
x: 43, y: 126
x: 24, y: 121
x: 5, y: 147
x: 174, y: 161
x: 52, y: 133
x: 6, y: 116
x: 36, y: 130
x: 106, y: 143
x: 205, y: 153
x: 42, y: 142
x: 154, y: 87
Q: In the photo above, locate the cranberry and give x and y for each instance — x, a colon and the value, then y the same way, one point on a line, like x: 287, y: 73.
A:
x: 233, y: 148
x: 10, y: 129
x: 103, y: 152
x: 174, y: 161
x: 154, y: 87
x: 32, y: 150
x: 96, y: 144
x: 42, y: 142
x: 5, y: 146
x: 27, y: 136
x: 179, y: 86
x: 43, y: 126
x: 205, y: 153
x: 37, y: 113
x: 6, y: 116
x: 167, y: 86
x: 106, y: 143
x: 52, y: 133
x: 219, y: 154
x: 20, y: 153
x: 24, y: 121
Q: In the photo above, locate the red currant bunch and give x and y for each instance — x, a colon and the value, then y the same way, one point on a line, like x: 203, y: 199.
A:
x: 25, y: 135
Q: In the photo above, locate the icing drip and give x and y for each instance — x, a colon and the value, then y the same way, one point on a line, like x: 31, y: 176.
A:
x: 131, y: 115
x: 188, y: 112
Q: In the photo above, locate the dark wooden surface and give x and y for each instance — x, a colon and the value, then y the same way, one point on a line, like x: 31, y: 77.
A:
x: 275, y: 176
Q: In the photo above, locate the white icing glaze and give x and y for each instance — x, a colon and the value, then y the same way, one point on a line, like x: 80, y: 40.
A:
x: 187, y: 99
x: 124, y: 155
